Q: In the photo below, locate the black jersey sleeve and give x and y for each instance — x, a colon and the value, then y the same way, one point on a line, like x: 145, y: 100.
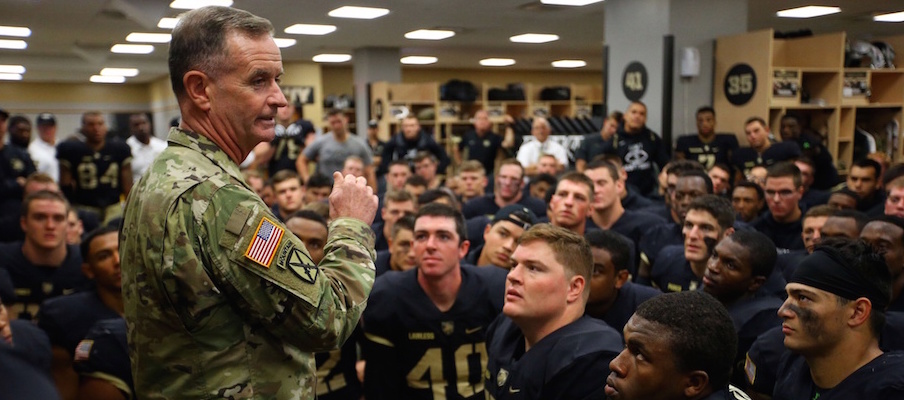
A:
x: 104, y: 354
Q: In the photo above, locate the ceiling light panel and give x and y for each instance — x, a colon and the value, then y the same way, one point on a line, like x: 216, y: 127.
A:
x: 890, y: 17
x: 576, y: 3
x: 167, y: 23
x: 15, y: 31
x: 808, y: 12
x: 283, y: 42
x: 12, y: 69
x: 358, y: 12
x: 569, y: 63
x: 332, y: 58
x: 534, y: 38
x: 132, y: 48
x: 142, y: 37
x: 129, y: 72
x: 107, y: 79
x: 193, y: 4
x: 418, y: 60
x: 310, y: 29
x: 13, y: 44
x: 497, y: 62
x: 429, y: 34
x: 10, y: 77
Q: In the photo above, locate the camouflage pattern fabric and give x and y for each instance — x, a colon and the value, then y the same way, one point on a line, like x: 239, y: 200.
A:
x: 221, y: 300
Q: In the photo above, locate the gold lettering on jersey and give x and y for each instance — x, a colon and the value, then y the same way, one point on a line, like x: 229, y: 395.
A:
x: 421, y: 336
x: 673, y: 287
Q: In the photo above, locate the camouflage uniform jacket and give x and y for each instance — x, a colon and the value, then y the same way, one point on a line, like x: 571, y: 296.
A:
x: 221, y: 301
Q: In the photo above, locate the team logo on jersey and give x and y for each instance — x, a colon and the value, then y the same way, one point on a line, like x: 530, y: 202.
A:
x: 17, y: 164
x: 47, y: 287
x: 501, y: 377
x: 265, y: 242
x: 448, y: 327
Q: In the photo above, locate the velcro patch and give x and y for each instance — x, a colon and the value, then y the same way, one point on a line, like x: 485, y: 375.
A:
x: 306, y: 271
x: 266, y: 241
x: 83, y: 350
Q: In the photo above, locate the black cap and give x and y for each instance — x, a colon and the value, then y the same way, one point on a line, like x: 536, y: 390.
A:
x: 372, y: 123
x: 516, y: 214
x: 3, y: 114
x: 45, y: 119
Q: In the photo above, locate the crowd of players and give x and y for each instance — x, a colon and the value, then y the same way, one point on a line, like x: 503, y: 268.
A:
x: 510, y: 269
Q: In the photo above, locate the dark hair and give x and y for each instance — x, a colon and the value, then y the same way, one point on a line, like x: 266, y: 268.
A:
x: 748, y: 184
x: 761, y: 253
x: 699, y: 174
x: 442, y: 210
x: 676, y: 167
x: 309, y: 215
x: 870, y: 265
x: 401, y: 162
x: 44, y: 195
x: 334, y: 112
x: 199, y: 40
x: 706, y: 109
x: 398, y: 196
x: 579, y: 178
x: 512, y: 161
x: 284, y: 175
x: 432, y: 195
x: 756, y: 119
x: 544, y: 177
x: 791, y: 116
x: 822, y: 210
x: 859, y: 217
x: 785, y: 169
x: 319, y: 180
x: 406, y: 222
x: 723, y: 167
x: 700, y: 331
x: 416, y: 180
x: 15, y: 120
x: 717, y: 206
x: 868, y: 163
x: 425, y: 155
x: 85, y: 246
x: 613, y: 243
x: 890, y: 219
x: 847, y: 192
x: 892, y: 173
x: 806, y: 160
x: 599, y: 163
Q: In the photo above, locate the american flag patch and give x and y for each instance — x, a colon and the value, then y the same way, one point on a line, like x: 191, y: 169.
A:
x: 83, y: 350
x: 265, y: 243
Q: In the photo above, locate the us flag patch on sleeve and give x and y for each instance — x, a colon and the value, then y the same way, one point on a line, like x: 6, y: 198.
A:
x: 266, y: 241
x: 83, y: 350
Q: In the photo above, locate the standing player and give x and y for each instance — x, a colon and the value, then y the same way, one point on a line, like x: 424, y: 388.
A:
x: 425, y: 327
x: 543, y: 347
x: 95, y: 172
x: 707, y: 147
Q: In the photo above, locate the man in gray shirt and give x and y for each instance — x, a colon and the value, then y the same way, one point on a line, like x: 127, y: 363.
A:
x: 331, y: 149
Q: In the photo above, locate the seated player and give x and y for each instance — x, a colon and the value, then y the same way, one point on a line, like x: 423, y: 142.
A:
x: 886, y: 234
x: 811, y: 234
x: 721, y: 177
x: 317, y: 188
x: 507, y: 190
x: 441, y: 195
x: 416, y: 185
x: 833, y: 317
x: 679, y: 268
x: 569, y: 206
x: 472, y: 180
x: 399, y: 256
x: 67, y: 319
x: 500, y: 237
x: 102, y: 362
x: 613, y: 297
x: 630, y: 198
x: 678, y: 346
x: 396, y: 204
x: 843, y: 199
x: 425, y: 328
x: 735, y: 276
x: 783, y: 221
x: 312, y: 229
x: 543, y: 347
x: 26, y: 339
x: 540, y: 184
x: 289, y: 192
x: 43, y: 265
x: 748, y: 200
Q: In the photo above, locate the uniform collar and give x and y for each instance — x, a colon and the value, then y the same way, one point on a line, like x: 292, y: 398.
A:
x: 207, y: 148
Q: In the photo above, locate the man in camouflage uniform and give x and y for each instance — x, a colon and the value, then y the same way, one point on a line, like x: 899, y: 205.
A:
x: 221, y: 300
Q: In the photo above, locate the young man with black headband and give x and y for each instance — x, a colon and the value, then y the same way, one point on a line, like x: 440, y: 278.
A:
x: 832, y: 320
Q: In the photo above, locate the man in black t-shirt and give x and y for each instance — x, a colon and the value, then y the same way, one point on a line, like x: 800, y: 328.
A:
x: 864, y: 179
x: 543, y: 346
x: 762, y: 150
x: 707, y: 147
x: 833, y: 317
x: 678, y: 346
x: 15, y: 166
x: 641, y: 149
x: 102, y: 361
x: 783, y: 221
x: 291, y: 138
x: 825, y: 175
x: 481, y: 143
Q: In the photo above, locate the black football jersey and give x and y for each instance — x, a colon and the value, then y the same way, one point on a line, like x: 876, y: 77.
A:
x: 719, y: 150
x: 746, y: 158
x: 879, y: 379
x: 569, y: 363
x: 629, y: 297
x: 67, y: 319
x: 96, y: 173
x: 104, y: 354
x: 287, y: 144
x: 415, y: 351
x: 337, y: 378
x: 672, y: 273
x: 786, y: 236
x: 33, y: 284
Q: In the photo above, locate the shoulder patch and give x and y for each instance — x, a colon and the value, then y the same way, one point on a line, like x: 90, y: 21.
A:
x: 300, y: 264
x: 83, y: 350
x: 750, y: 369
x: 265, y: 242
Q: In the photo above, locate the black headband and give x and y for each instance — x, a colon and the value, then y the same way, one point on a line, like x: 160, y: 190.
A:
x: 515, y: 219
x: 825, y: 269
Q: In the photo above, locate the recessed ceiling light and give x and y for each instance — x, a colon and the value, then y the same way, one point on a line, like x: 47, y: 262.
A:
x: 497, y: 62
x: 418, y: 60
x: 167, y: 23
x: 16, y: 31
x: 890, y: 17
x: 569, y: 63
x: 429, y: 34
x: 332, y: 58
x: 283, y: 43
x: 119, y: 72
x: 141, y: 37
x: 577, y: 3
x: 13, y: 44
x: 107, y: 79
x: 808, y: 11
x: 132, y: 48
x: 358, y: 12
x: 193, y: 4
x: 12, y: 69
x: 534, y: 38
x: 310, y: 29
x: 10, y: 77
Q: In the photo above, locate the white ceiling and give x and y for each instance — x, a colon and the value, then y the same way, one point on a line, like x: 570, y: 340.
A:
x: 71, y: 38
